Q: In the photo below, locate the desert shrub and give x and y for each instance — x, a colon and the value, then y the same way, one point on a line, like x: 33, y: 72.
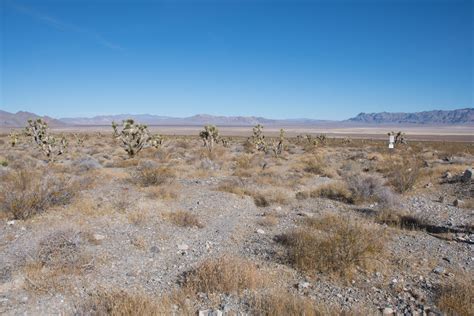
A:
x: 268, y: 220
x: 3, y: 163
x: 333, y: 245
x: 61, y: 248
x: 260, y: 200
x: 120, y: 303
x: 280, y: 303
x: 24, y: 193
x: 334, y: 191
x: 148, y: 174
x: 370, y: 188
x: 233, y: 186
x: 315, y: 165
x: 183, y: 219
x: 264, y: 198
x: 456, y: 298
x: 404, y: 175
x: 225, y: 274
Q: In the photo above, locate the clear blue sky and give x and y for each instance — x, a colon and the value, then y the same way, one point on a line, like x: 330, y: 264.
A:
x: 285, y: 59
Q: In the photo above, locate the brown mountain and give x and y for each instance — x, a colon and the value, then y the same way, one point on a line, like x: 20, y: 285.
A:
x: 20, y: 119
x: 453, y: 117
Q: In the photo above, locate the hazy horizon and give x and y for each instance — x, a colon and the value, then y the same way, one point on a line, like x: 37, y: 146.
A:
x: 274, y: 59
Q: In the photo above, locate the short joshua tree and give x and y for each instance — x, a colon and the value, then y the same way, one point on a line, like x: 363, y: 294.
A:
x: 115, y: 128
x: 400, y: 137
x: 51, y: 147
x: 258, y: 139
x: 322, y: 139
x: 209, y: 136
x: 278, y: 147
x: 135, y: 137
x: 13, y: 138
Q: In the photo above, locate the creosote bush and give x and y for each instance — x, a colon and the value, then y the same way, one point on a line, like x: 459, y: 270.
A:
x: 225, y: 274
x: 337, y: 191
x: 333, y: 245
x: 148, y: 173
x: 457, y: 297
x: 184, y: 219
x: 24, y: 193
x: 281, y: 303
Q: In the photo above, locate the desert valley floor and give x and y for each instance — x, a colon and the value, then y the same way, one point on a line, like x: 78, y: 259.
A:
x: 330, y: 227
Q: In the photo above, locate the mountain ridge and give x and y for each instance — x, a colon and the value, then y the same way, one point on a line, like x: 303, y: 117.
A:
x: 444, y: 117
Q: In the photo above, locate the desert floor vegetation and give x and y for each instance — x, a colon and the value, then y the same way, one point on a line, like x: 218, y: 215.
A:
x: 314, y: 226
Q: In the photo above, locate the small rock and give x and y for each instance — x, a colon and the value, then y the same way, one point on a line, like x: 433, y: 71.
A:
x: 387, y: 311
x: 10, y: 223
x: 210, y: 312
x: 428, y: 185
x: 98, y: 237
x: 303, y: 285
x: 458, y: 203
x: 447, y: 175
x: 278, y: 208
x: 154, y: 249
x: 183, y: 247
x: 467, y: 175
x: 438, y: 270
x: 260, y: 231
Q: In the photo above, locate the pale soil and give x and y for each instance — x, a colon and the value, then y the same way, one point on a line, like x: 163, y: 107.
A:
x: 142, y: 251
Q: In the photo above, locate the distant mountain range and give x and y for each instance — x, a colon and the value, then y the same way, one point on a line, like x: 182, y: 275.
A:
x: 452, y: 117
x: 19, y: 119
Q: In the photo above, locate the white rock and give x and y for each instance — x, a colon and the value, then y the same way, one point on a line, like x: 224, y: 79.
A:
x: 183, y: 247
x: 10, y: 223
x: 98, y: 237
x: 260, y: 231
x: 387, y: 311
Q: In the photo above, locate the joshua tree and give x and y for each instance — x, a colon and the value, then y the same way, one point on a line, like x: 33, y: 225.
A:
x: 13, y: 138
x: 133, y: 136
x: 115, y: 128
x: 79, y: 140
x: 399, y: 137
x: 258, y: 139
x: 38, y: 130
x: 156, y: 141
x: 322, y: 139
x: 209, y: 136
x: 225, y: 142
x: 277, y: 147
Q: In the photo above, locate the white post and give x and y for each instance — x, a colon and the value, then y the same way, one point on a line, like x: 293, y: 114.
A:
x: 391, y: 142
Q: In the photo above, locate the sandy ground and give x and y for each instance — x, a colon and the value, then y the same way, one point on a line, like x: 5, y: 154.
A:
x: 429, y: 133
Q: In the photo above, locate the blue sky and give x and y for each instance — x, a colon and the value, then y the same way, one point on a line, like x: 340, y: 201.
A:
x: 278, y: 59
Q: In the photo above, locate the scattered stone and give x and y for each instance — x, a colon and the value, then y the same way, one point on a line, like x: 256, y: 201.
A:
x: 438, y: 270
x: 447, y: 175
x: 388, y: 311
x: 467, y: 175
x: 154, y: 249
x: 260, y: 231
x: 10, y: 223
x: 303, y: 285
x: 458, y: 203
x: 210, y: 312
x: 183, y: 247
x: 87, y: 163
x: 98, y: 237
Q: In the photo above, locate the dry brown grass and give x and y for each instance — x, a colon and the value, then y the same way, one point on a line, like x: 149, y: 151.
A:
x: 148, y: 174
x: 233, y: 186
x: 334, y: 245
x: 268, y: 220
x: 168, y: 192
x: 120, y: 303
x: 24, y: 193
x: 267, y: 197
x: 285, y: 303
x: 403, y: 174
x: 457, y: 297
x: 226, y: 274
x: 337, y: 191
x: 59, y: 256
x: 183, y: 219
